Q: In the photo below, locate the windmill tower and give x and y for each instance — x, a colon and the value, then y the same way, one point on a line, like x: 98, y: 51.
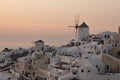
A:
x: 83, y: 32
x: 76, y: 21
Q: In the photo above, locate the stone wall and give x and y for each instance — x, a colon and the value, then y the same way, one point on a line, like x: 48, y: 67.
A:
x: 112, y: 64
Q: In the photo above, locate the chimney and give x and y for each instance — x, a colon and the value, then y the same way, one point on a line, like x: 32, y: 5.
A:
x: 119, y: 30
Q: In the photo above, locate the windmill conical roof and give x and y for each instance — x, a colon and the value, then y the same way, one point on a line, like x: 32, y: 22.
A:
x: 39, y: 41
x: 83, y: 25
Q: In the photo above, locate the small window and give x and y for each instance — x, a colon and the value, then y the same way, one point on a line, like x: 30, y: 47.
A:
x: 98, y: 69
x: 42, y: 49
x: 107, y: 67
x: 82, y: 70
x: 105, y: 36
x: 79, y: 43
x: 89, y: 71
x: 96, y: 66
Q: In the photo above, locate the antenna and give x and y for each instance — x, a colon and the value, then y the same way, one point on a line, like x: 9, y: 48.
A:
x: 76, y: 21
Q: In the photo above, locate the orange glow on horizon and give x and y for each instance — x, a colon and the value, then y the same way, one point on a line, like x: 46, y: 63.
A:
x: 25, y: 20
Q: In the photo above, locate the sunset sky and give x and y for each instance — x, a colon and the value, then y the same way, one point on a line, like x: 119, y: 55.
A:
x: 23, y: 21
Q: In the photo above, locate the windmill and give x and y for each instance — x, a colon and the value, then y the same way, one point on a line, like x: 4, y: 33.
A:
x: 76, y: 21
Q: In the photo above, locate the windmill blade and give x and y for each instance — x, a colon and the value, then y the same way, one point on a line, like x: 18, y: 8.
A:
x: 76, y: 32
x: 77, y: 20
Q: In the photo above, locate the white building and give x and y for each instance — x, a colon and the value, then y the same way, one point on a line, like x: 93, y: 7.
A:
x: 39, y: 45
x: 92, y: 48
x: 18, y: 51
x: 5, y: 54
x: 110, y: 39
x: 48, y: 48
x: 77, y: 61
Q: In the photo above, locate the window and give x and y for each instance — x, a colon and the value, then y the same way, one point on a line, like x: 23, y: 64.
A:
x: 33, y: 73
x: 105, y: 36
x: 72, y: 43
x: 88, y: 70
x: 74, y: 73
x: 107, y: 67
x: 98, y: 69
x: 82, y: 70
x: 42, y: 48
x: 108, y: 36
x: 96, y: 66
x: 79, y: 43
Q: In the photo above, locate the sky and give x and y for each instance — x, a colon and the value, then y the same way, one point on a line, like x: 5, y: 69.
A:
x: 24, y: 21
